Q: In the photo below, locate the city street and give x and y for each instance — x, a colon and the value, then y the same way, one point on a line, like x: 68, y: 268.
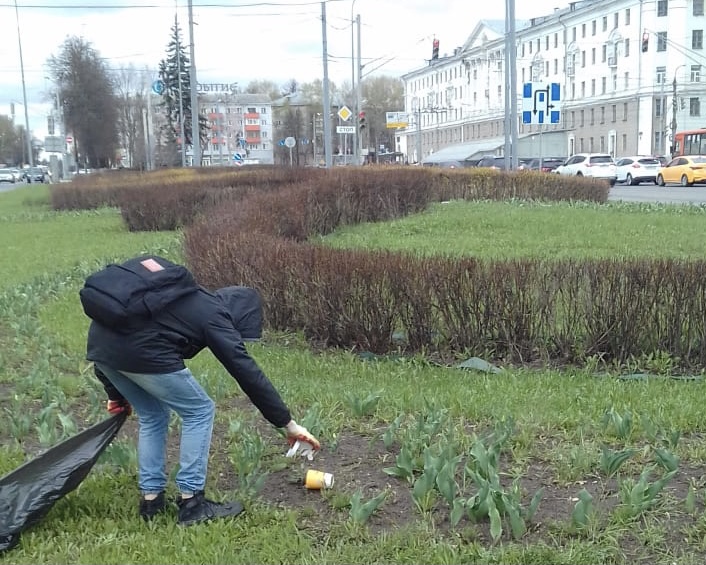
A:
x: 652, y: 193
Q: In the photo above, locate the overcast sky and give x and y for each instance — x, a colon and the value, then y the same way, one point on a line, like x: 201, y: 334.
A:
x: 235, y: 41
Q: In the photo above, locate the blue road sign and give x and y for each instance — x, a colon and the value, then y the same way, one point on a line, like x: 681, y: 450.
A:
x: 541, y: 103
x: 158, y: 86
x: 237, y: 157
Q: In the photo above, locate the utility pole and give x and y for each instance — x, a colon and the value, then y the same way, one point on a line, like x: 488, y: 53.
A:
x: 195, y: 135
x: 327, y: 99
x: 28, y: 135
x: 358, y: 101
x: 419, y: 135
x: 674, y: 112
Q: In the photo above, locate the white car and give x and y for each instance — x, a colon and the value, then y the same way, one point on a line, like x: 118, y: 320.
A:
x: 637, y: 169
x: 6, y: 175
x: 594, y: 165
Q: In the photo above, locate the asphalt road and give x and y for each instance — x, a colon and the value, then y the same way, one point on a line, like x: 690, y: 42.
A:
x: 664, y: 194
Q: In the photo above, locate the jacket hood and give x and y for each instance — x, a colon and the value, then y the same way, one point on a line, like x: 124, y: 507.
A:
x: 245, y: 307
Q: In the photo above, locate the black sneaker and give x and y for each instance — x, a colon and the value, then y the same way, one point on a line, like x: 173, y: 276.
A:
x: 199, y: 509
x: 150, y: 508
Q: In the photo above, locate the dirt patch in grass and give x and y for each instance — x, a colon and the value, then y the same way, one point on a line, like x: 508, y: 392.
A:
x: 357, y: 463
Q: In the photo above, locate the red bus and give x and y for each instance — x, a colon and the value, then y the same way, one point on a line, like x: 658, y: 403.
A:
x: 690, y: 142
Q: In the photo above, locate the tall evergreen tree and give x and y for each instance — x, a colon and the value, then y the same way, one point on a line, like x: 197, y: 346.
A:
x: 176, y: 98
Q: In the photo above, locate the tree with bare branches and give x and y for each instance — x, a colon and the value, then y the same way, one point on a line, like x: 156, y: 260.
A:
x: 86, y: 92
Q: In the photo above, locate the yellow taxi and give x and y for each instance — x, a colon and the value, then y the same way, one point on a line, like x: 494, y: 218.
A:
x: 685, y: 170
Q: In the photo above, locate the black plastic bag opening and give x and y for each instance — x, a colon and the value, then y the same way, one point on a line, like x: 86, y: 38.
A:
x: 28, y: 492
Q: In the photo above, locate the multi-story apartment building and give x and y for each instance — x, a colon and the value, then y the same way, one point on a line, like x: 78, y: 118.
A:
x: 630, y: 72
x: 240, y: 129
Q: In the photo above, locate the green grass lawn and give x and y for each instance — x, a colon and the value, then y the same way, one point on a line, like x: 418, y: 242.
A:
x: 520, y: 229
x: 558, y: 433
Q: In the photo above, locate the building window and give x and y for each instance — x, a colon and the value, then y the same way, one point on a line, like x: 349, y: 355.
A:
x: 556, y: 40
x: 590, y: 144
x: 661, y: 8
x: 593, y: 27
x: 583, y: 30
x: 593, y: 87
x: 573, y: 33
x: 695, y: 73
x: 694, y: 107
x: 627, y: 17
x: 627, y: 80
x: 593, y: 116
x: 556, y: 66
x: 573, y: 90
x: 582, y: 118
x: 605, y: 23
x: 602, y: 142
x: 627, y: 47
x: 697, y: 39
x: 659, y: 107
x: 573, y: 118
x: 616, y: 18
x: 604, y: 52
x: 661, y: 41
x: 614, y: 112
x: 661, y: 75
x: 604, y: 83
x: 593, y: 56
x: 583, y: 58
x: 698, y: 7
x: 615, y: 82
x: 625, y: 142
x: 602, y: 114
x: 625, y: 111
x: 583, y: 89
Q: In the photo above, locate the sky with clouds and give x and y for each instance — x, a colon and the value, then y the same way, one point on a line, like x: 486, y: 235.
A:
x: 235, y: 40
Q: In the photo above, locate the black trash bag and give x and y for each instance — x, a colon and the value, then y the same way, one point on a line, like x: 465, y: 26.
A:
x: 28, y: 492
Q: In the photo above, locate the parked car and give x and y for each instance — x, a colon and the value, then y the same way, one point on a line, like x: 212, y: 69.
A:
x: 6, y: 175
x: 637, y: 169
x: 594, y: 165
x: 491, y: 162
x: 548, y: 164
x: 685, y: 170
x: 36, y: 174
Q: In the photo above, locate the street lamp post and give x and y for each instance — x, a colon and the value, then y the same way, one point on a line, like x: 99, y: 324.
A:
x: 24, y: 91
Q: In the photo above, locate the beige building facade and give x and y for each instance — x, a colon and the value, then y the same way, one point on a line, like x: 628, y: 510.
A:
x: 630, y: 72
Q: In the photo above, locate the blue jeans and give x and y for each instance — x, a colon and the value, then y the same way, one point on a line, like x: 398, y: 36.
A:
x: 152, y: 397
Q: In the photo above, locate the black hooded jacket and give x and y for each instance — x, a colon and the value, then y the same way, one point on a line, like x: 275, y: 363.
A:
x: 220, y: 321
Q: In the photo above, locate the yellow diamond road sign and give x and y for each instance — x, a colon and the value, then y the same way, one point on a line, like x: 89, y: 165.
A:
x: 344, y: 113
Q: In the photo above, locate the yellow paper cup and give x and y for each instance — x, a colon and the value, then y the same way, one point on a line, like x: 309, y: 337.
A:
x: 316, y: 480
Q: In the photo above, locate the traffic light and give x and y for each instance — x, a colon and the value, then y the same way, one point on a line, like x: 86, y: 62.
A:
x: 435, y: 49
x: 645, y: 42
x: 50, y: 125
x: 361, y: 121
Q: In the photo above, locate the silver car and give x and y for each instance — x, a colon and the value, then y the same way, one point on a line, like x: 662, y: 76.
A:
x: 637, y: 169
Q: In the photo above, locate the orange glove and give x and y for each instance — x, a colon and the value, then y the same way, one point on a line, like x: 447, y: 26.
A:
x: 295, y: 432
x: 118, y: 407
